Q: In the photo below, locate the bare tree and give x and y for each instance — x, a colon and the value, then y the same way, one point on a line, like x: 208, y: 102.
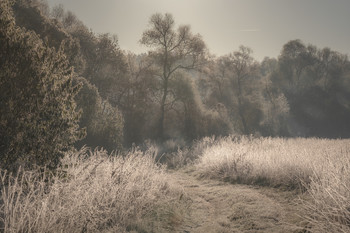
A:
x: 174, y: 50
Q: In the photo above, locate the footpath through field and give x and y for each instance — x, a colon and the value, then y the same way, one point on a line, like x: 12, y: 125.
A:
x: 216, y: 206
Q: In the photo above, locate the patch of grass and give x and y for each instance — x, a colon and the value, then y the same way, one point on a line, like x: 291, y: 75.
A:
x: 318, y: 167
x: 329, y: 210
x: 187, y: 155
x: 275, y: 162
x: 90, y: 192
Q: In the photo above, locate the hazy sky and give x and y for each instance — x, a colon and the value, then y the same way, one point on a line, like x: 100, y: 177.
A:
x: 263, y: 25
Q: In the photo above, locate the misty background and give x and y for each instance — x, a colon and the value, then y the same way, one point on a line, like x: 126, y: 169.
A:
x: 121, y: 74
x: 265, y: 26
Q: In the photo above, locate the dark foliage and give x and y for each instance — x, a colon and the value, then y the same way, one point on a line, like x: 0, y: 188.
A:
x: 38, y: 117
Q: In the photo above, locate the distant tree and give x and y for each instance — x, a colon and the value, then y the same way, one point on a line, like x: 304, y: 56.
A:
x: 104, y: 63
x: 109, y: 67
x: 275, y: 107
x: 294, y: 62
x: 274, y: 104
x: 216, y: 82
x: 195, y: 120
x: 314, y: 84
x: 187, y: 107
x: 103, y: 123
x: 243, y: 71
x: 58, y: 12
x: 136, y: 99
x: 268, y: 66
x: 174, y: 50
x: 38, y: 117
x: 86, y: 53
x: 330, y: 68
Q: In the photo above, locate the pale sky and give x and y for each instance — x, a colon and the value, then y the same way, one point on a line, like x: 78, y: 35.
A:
x: 263, y: 25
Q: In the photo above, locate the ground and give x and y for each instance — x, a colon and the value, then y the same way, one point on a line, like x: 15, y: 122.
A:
x: 216, y: 206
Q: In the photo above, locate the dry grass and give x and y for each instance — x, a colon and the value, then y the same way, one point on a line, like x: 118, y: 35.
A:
x: 95, y: 192
x: 89, y: 192
x: 184, y: 156
x: 330, y: 191
x: 321, y: 167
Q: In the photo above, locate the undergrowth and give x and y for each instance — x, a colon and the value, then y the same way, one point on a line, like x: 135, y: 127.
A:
x: 90, y: 191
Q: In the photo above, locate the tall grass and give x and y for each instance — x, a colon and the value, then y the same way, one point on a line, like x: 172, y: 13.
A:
x: 321, y: 167
x: 329, y: 210
x: 187, y: 155
x: 89, y: 192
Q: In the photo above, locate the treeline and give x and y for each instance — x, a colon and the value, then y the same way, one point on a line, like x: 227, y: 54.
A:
x: 64, y: 86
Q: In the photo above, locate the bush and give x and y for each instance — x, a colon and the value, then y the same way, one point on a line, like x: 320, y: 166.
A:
x: 89, y: 192
x: 38, y: 118
x: 103, y: 122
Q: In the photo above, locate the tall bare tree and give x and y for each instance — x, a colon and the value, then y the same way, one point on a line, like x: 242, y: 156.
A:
x: 173, y: 50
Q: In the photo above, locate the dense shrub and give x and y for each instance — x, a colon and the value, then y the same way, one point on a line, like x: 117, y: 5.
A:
x: 103, y: 123
x: 38, y: 117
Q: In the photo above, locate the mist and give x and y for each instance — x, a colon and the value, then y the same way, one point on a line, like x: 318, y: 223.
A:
x: 177, y: 90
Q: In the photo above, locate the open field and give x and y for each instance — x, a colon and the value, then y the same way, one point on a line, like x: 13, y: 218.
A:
x: 232, y: 184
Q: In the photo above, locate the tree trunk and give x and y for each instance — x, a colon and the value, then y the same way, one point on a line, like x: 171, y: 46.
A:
x: 162, y: 110
x: 241, y: 114
x: 240, y: 106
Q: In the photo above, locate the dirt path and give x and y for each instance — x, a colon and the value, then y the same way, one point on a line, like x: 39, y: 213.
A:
x: 221, y: 207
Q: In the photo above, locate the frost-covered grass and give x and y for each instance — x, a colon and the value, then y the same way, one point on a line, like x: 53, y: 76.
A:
x: 268, y: 161
x: 89, y: 192
x: 320, y: 167
x: 329, y: 188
